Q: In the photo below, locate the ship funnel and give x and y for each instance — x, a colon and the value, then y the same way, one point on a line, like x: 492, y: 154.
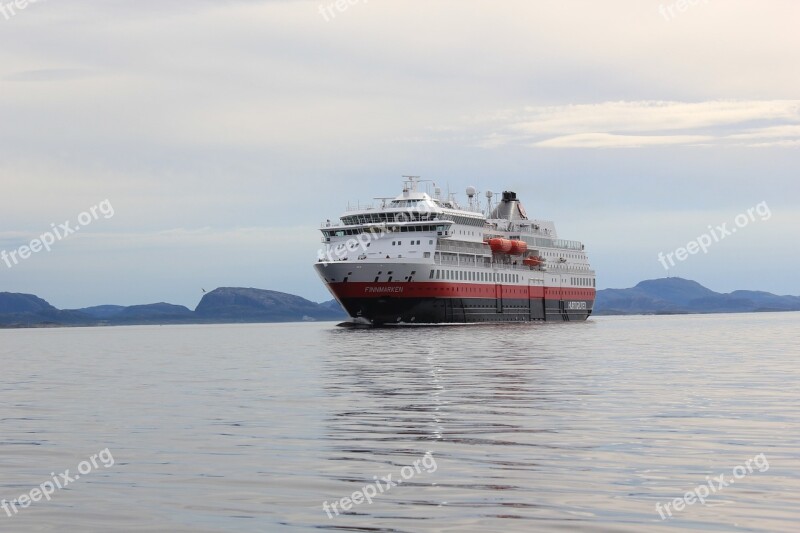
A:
x: 509, y: 196
x: 510, y: 208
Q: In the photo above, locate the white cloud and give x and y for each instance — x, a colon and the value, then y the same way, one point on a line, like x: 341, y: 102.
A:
x: 608, y: 140
x: 785, y: 144
x: 770, y: 133
x: 653, y: 116
x: 639, y: 123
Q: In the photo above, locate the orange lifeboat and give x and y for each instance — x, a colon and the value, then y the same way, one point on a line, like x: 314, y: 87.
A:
x: 500, y: 246
x: 518, y: 247
x: 534, y: 261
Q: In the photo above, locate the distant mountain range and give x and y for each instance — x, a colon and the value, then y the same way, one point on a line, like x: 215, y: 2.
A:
x: 223, y: 305
x: 678, y: 295
x: 238, y: 305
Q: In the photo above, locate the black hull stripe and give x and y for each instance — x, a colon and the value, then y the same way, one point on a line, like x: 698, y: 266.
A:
x: 384, y: 311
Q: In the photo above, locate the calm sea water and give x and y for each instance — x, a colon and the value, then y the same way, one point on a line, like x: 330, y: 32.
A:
x: 544, y: 427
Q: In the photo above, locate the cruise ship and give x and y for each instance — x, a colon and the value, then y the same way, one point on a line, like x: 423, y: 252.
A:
x: 421, y: 258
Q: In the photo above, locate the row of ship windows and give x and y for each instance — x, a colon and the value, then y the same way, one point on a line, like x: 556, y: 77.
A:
x: 410, y: 216
x: 566, y: 266
x: 464, y: 221
x: 462, y: 275
x: 378, y: 218
x: 393, y: 229
x: 565, y: 256
x: 498, y: 277
x: 405, y: 203
x: 399, y: 243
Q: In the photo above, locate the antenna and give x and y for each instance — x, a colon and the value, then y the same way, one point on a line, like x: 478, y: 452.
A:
x: 471, y: 192
x: 452, y: 198
x: 410, y: 183
x: 418, y: 180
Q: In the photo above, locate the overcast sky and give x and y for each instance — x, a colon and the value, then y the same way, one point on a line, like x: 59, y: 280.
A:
x: 224, y: 132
